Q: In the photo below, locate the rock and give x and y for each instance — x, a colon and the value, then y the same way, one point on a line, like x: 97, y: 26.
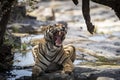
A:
x: 18, y: 14
x: 21, y: 28
x: 80, y: 73
x: 105, y: 78
x: 105, y: 74
x: 43, y: 14
x: 104, y: 51
x: 55, y: 76
x: 25, y: 28
x: 48, y: 14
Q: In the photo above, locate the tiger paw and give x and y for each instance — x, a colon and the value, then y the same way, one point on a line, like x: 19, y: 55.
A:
x: 37, y: 71
x: 68, y: 68
x: 66, y: 72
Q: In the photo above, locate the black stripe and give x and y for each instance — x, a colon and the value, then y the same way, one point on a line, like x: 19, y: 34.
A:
x: 39, y: 66
x: 61, y: 56
x: 48, y: 47
x: 44, y: 63
x: 41, y: 61
x: 64, y: 60
x: 54, y: 57
x: 59, y: 51
x: 45, y: 57
x: 41, y: 49
x: 48, y: 37
x: 42, y: 53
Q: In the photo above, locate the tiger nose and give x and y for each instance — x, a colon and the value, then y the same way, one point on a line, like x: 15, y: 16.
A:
x: 62, y: 29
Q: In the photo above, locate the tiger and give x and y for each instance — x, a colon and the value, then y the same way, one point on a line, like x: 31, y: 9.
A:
x: 51, y: 50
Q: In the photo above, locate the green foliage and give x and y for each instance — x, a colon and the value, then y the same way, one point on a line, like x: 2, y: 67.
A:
x: 102, y: 58
x: 24, y: 47
x: 12, y: 40
x: 15, y: 29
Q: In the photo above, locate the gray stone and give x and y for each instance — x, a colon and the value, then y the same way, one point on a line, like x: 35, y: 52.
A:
x: 105, y: 78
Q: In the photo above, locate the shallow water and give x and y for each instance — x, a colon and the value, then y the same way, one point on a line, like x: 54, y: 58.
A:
x: 98, y: 37
x: 20, y: 73
x: 23, y: 60
x: 27, y: 39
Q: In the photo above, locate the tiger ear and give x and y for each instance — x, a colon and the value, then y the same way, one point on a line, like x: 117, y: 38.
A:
x: 48, y: 28
x: 57, y: 24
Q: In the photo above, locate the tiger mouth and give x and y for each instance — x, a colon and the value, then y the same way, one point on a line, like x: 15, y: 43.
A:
x: 58, y: 38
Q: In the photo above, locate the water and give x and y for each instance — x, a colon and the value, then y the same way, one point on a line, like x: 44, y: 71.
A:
x: 27, y: 39
x: 117, y: 34
x: 23, y: 61
x: 20, y: 73
x: 98, y: 37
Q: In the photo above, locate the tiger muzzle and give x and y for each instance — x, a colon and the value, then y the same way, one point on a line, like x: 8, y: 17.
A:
x: 58, y: 38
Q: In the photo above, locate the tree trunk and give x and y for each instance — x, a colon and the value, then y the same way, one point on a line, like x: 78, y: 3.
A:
x: 5, y: 50
x: 5, y: 9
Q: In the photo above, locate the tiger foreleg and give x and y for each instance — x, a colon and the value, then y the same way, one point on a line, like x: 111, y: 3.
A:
x: 70, y: 54
x: 68, y: 66
x: 36, y: 70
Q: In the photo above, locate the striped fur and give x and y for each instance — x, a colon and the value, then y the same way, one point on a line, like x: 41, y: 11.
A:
x: 50, y: 50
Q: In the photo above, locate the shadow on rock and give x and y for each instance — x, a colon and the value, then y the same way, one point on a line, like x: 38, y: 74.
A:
x: 80, y: 73
x: 76, y: 75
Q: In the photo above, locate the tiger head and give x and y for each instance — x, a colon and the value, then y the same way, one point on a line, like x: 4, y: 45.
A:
x: 55, y: 34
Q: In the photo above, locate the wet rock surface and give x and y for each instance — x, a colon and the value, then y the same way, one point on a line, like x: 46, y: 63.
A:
x: 79, y: 73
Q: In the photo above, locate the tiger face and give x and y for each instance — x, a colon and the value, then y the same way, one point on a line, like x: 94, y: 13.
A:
x: 55, y: 34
